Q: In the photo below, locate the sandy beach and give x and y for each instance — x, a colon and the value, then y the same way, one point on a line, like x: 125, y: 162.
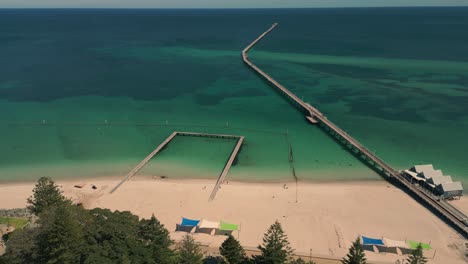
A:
x: 323, y: 220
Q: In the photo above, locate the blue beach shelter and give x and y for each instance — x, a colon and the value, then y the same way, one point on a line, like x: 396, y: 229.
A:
x: 372, y: 241
x: 189, y: 222
x: 371, y: 244
x: 187, y: 225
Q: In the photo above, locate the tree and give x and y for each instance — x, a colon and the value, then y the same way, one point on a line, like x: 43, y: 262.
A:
x: 232, y: 251
x: 114, y: 236
x: 71, y: 234
x: 20, y: 248
x: 189, y: 251
x: 301, y: 261
x: 417, y: 256
x: 156, y: 238
x: 275, y: 248
x: 60, y: 238
x: 215, y: 260
x: 46, y: 193
x: 356, y: 254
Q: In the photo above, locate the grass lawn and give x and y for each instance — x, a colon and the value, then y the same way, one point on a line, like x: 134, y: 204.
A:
x: 17, y: 222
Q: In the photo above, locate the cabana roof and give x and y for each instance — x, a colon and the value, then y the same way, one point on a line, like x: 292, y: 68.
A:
x: 395, y: 243
x: 228, y: 227
x: 189, y: 222
x: 413, y: 245
x: 208, y: 224
x: 372, y: 241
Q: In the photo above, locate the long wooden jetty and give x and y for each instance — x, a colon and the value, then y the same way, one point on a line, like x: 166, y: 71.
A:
x: 222, y: 176
x: 455, y: 217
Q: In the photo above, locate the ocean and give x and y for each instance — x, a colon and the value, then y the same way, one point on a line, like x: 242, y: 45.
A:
x: 91, y: 92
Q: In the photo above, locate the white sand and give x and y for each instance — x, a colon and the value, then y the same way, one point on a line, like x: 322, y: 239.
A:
x: 326, y: 218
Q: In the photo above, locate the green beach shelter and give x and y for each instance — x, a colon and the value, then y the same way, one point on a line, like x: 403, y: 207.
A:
x: 413, y: 245
x: 228, y: 227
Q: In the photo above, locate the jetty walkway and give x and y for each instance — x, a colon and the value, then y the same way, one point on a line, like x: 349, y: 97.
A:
x: 455, y: 217
x: 144, y: 161
x: 228, y: 165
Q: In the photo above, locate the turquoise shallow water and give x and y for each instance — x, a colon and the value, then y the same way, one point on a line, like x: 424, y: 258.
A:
x: 92, y: 92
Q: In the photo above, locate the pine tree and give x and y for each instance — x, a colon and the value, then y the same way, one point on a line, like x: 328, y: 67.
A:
x: 275, y: 248
x: 232, y: 251
x: 60, y: 238
x: 417, y: 256
x: 20, y: 248
x: 301, y: 261
x: 215, y: 260
x: 189, y: 251
x: 356, y: 254
x: 156, y: 237
x: 46, y: 193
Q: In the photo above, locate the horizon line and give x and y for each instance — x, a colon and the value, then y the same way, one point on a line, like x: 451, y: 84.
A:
x: 225, y: 8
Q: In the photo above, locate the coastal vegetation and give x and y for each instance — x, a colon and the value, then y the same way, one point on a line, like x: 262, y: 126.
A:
x: 417, y: 256
x: 16, y: 222
x: 189, y: 251
x: 356, y: 254
x: 275, y: 247
x: 232, y: 251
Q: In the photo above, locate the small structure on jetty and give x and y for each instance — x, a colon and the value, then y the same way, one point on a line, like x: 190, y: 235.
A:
x: 435, y: 181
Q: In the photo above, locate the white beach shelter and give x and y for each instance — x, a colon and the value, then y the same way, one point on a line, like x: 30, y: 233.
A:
x: 208, y: 224
x: 207, y: 227
x: 399, y: 247
x: 395, y: 243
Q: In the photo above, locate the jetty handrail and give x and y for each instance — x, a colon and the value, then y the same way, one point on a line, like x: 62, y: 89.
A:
x: 452, y: 214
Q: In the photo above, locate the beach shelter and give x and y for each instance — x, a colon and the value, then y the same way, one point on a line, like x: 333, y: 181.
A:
x: 226, y: 228
x: 414, y: 244
x: 207, y: 227
x: 189, y: 222
x: 399, y: 247
x: 371, y: 244
x: 187, y: 225
x: 372, y: 241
